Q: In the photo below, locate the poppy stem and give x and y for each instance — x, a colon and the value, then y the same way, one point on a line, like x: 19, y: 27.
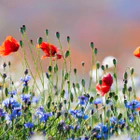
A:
x: 27, y: 65
x: 35, y: 62
x: 90, y: 80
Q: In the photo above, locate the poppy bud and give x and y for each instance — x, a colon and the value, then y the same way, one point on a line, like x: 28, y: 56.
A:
x: 83, y: 82
x: 47, y: 75
x: 107, y: 101
x: 4, y: 75
x: 110, y: 94
x: 106, y: 66
x: 58, y: 35
x: 66, y: 114
x: 132, y: 71
x: 98, y: 65
x: 55, y: 68
x: 83, y: 63
x: 130, y: 89
x: 21, y: 43
x: 100, y: 82
x: 66, y: 76
x: 115, y: 76
x: 68, y: 82
x: 103, y: 68
x: 31, y: 41
x: 71, y: 97
x: 114, y: 62
x: 58, y: 114
x: 123, y: 90
x: 68, y: 39
x: 50, y: 68
x: 91, y: 99
x: 73, y: 85
x: 26, y: 72
x: 92, y: 112
x: 67, y: 53
x: 47, y: 32
x: 24, y: 28
x: 119, y: 116
x: 92, y: 45
x: 95, y: 51
x: 75, y: 71
x: 9, y: 63
x: 116, y: 97
x: 125, y: 75
x: 65, y: 101
x: 4, y: 64
x: 21, y: 30
x: 39, y: 40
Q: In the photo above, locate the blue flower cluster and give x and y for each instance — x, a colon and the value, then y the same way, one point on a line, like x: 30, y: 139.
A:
x: 133, y: 105
x: 78, y: 114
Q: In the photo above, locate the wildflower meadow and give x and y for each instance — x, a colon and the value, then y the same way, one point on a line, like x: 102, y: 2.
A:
x: 58, y: 104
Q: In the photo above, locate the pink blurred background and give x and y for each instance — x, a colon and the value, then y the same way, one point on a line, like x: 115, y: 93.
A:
x: 113, y: 26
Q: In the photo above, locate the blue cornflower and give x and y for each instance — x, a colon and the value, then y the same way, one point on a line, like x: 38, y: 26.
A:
x: 73, y: 112
x: 13, y: 92
x: 134, y: 104
x: 28, y: 125
x: 97, y: 101
x: 25, y: 80
x: 84, y: 138
x: 45, y: 117
x: 2, y: 113
x: 16, y: 112
x: 10, y: 102
x: 138, y: 137
x: 25, y: 97
x: 104, y: 129
x: 71, y: 127
x: 35, y: 99
x: 40, y: 111
x: 100, y: 130
x: 78, y: 114
x: 82, y: 100
x: 121, y: 122
x: 113, y: 120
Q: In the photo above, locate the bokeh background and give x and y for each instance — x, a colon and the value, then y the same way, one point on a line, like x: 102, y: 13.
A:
x: 113, y: 26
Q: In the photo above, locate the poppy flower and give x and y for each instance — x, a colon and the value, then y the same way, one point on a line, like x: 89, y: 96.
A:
x: 137, y: 52
x: 107, y: 81
x: 49, y: 50
x: 9, y: 46
x: 102, y: 89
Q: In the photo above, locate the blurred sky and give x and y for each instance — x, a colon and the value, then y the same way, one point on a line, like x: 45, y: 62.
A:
x: 113, y: 26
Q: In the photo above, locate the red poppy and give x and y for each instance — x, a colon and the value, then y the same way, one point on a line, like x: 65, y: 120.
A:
x: 137, y: 52
x: 107, y: 81
x: 102, y: 89
x: 9, y: 45
x: 49, y: 50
